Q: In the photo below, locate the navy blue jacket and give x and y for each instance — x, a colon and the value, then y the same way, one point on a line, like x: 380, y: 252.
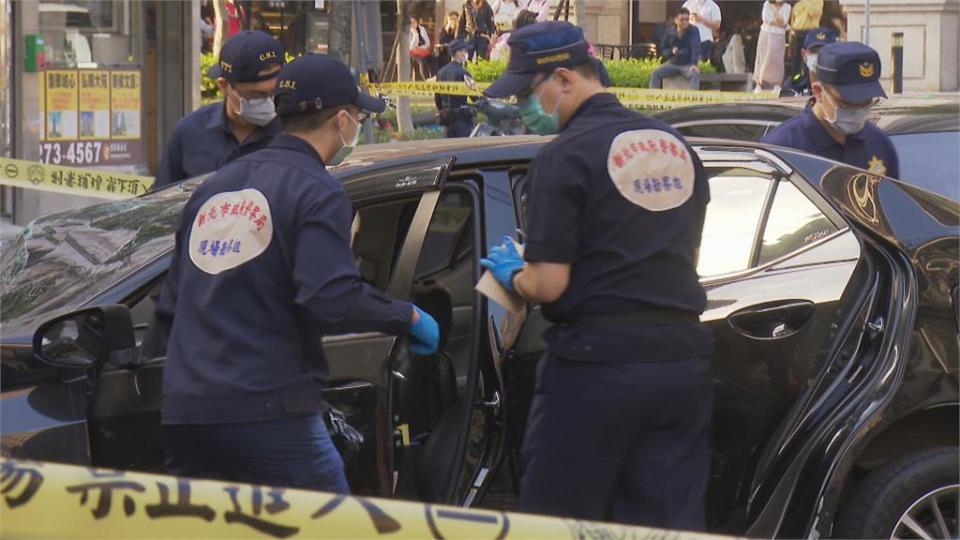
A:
x: 261, y: 271
x: 871, y: 149
x: 621, y: 198
x: 688, y: 46
x: 202, y: 142
x: 452, y: 72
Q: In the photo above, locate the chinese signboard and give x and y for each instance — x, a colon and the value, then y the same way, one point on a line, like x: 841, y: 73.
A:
x: 92, y: 117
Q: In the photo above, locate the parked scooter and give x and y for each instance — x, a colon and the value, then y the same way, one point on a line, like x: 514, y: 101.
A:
x: 503, y: 119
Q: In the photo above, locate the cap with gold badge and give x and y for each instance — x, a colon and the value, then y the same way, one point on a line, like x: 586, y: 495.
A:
x: 853, y: 68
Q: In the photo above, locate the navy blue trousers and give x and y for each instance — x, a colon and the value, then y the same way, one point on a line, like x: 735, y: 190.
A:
x: 619, y: 441
x: 291, y: 452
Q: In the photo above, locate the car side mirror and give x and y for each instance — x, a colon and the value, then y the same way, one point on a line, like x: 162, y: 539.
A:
x: 85, y: 339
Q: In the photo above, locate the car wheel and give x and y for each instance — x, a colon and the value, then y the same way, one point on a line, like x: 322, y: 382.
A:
x: 917, y: 496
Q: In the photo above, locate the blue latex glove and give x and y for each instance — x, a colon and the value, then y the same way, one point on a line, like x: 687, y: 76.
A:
x: 424, y: 334
x: 504, y: 261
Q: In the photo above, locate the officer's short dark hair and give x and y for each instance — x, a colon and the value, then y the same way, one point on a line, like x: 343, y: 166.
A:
x: 307, y: 121
x: 683, y: 11
x: 587, y: 69
x: 524, y: 18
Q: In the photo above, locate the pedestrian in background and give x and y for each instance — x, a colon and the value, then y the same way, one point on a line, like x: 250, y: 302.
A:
x: 804, y: 17
x: 504, y: 14
x: 447, y: 34
x: 799, y: 84
x: 680, y: 50
x: 706, y: 16
x: 421, y: 54
x: 768, y: 66
x: 477, y: 28
x: 501, y: 49
x: 453, y: 112
x: 540, y: 7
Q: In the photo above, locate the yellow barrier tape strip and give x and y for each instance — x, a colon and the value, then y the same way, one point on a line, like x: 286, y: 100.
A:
x: 47, y: 500
x: 627, y: 96
x: 72, y: 180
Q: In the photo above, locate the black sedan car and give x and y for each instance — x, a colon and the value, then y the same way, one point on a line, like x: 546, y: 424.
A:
x: 832, y: 294
x: 925, y: 131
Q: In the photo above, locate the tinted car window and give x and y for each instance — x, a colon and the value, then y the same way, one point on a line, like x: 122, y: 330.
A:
x: 793, y: 222
x: 737, y: 198
x: 929, y: 161
x: 726, y: 130
x: 448, y: 238
x: 378, y: 234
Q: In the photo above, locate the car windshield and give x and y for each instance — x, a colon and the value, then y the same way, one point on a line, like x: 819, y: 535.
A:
x: 61, y: 261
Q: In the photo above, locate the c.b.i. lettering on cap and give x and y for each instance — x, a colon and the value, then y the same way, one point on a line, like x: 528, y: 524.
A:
x: 267, y: 55
x: 288, y: 83
x: 560, y: 57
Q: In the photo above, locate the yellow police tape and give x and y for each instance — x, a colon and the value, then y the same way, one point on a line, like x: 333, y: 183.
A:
x: 47, y: 500
x: 646, y: 97
x: 72, y: 180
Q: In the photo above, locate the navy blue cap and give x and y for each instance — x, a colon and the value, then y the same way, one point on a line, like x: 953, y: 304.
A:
x: 315, y: 82
x: 457, y: 45
x: 245, y: 55
x: 540, y: 47
x: 853, y: 68
x: 818, y: 37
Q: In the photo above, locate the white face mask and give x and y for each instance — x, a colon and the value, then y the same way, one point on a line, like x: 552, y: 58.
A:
x: 259, y: 111
x: 811, y: 62
x: 848, y: 120
x: 346, y: 149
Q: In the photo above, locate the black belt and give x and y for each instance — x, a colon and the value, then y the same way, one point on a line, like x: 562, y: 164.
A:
x: 649, y: 317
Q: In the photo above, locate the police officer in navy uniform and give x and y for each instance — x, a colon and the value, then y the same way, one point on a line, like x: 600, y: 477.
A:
x: 618, y: 429
x: 262, y: 270
x: 834, y: 125
x: 243, y: 122
x: 455, y: 115
x: 799, y: 84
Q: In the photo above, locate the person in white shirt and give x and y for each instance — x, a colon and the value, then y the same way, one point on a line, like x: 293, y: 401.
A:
x: 768, y: 67
x: 705, y: 15
x: 420, y: 52
x: 540, y: 7
x: 504, y: 13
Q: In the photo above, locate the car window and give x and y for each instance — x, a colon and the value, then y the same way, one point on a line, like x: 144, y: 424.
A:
x: 378, y: 233
x: 726, y: 130
x: 449, y: 235
x: 929, y: 161
x: 794, y: 221
x: 737, y: 199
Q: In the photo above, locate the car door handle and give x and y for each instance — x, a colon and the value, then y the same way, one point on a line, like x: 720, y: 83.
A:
x: 773, y: 320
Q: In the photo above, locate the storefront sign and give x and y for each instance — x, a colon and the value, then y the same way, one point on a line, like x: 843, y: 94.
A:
x: 92, y: 117
x: 62, y: 105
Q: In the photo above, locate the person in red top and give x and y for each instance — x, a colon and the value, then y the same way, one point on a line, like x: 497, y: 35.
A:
x: 235, y: 16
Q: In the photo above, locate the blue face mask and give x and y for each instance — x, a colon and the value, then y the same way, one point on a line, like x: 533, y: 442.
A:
x: 539, y: 122
x: 535, y: 118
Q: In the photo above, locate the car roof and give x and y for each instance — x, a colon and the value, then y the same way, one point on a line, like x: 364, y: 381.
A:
x: 468, y: 151
x: 898, y: 115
